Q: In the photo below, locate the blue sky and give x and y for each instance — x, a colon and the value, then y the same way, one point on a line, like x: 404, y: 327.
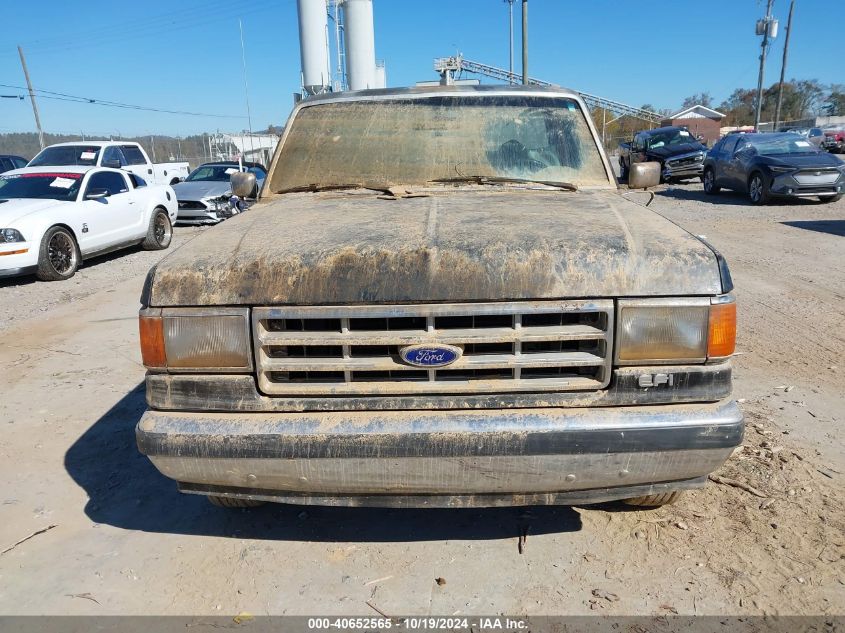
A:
x: 185, y: 54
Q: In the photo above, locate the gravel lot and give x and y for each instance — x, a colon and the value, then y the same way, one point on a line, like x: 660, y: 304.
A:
x: 125, y: 541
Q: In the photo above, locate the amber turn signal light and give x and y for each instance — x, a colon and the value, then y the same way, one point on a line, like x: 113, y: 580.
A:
x: 152, y: 342
x: 721, y: 339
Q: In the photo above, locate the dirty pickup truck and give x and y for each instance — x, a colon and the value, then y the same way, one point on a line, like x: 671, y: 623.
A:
x: 440, y: 299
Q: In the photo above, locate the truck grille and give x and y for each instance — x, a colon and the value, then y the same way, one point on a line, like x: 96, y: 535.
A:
x: 685, y: 161
x: 354, y: 350
x: 817, y: 176
x: 192, y: 204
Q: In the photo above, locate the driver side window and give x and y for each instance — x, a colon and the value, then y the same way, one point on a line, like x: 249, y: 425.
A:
x: 111, y: 181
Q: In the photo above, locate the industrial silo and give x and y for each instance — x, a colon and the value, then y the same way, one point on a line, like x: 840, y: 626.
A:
x: 314, y: 46
x: 360, y: 44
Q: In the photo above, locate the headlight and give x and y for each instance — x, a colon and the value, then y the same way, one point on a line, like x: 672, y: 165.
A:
x: 195, y: 339
x: 11, y: 235
x: 778, y: 169
x: 675, y: 330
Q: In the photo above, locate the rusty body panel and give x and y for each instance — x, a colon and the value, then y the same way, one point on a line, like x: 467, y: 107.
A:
x: 454, y: 245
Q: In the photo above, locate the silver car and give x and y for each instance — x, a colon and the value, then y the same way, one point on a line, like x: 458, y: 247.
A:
x: 204, y: 196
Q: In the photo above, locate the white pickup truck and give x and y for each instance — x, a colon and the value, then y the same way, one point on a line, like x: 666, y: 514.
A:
x: 114, y: 154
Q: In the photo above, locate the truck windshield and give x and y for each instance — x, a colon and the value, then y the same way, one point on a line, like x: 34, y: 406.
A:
x: 780, y: 144
x: 419, y: 140
x: 669, y: 138
x: 66, y: 155
x: 42, y: 185
x: 212, y: 173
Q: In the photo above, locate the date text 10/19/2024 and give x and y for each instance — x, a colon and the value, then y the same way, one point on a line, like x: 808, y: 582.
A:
x: 429, y: 623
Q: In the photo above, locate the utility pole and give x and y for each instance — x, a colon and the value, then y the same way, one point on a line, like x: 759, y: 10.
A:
x: 766, y: 28
x: 783, y: 65
x: 525, y: 42
x: 32, y: 98
x: 510, y: 11
x: 246, y: 85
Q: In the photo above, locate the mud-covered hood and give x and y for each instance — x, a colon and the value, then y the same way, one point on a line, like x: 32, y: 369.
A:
x: 13, y: 211
x: 462, y: 246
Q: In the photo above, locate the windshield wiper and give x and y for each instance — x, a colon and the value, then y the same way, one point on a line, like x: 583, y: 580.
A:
x: 485, y: 180
x: 314, y: 187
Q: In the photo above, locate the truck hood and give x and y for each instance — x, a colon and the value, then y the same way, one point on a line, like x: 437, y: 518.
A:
x: 331, y: 248
x: 14, y: 210
x: 199, y: 189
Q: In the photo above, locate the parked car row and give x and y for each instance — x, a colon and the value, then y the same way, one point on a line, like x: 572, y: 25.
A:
x: 789, y: 163
x: 76, y: 200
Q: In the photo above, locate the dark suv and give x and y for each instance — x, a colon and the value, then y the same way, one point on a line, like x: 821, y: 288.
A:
x: 767, y: 165
x: 679, y: 153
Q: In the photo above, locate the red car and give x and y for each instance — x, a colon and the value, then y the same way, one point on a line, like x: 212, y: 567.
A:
x: 834, y: 141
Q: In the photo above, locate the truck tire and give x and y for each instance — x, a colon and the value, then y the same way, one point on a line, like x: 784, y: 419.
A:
x: 623, y: 171
x: 653, y: 501
x: 232, y: 502
x: 758, y: 189
x: 58, y: 257
x: 160, y: 231
x: 828, y: 199
x: 709, y: 182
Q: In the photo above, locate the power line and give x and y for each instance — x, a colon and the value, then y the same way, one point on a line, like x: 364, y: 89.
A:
x: 61, y: 96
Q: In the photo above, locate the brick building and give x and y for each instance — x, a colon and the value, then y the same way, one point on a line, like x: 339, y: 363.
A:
x: 699, y: 120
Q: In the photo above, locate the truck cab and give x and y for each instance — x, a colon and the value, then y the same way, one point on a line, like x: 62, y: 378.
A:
x: 124, y: 155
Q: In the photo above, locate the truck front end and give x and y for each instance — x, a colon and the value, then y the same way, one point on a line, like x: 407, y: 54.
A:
x: 498, y: 339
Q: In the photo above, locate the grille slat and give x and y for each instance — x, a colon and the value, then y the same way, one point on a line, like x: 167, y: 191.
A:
x: 486, y: 361
x: 523, y: 346
x: 448, y: 336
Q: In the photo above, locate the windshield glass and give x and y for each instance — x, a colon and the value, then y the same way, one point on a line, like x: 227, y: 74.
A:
x: 212, y: 173
x: 415, y: 141
x: 669, y: 138
x: 66, y: 155
x: 48, y: 186
x: 780, y: 144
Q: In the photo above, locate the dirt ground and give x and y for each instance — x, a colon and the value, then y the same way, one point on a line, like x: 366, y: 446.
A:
x: 121, y: 539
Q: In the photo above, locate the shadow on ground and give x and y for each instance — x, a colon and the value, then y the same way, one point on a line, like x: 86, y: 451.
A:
x: 834, y: 227
x: 725, y: 197
x: 126, y: 491
x: 88, y: 264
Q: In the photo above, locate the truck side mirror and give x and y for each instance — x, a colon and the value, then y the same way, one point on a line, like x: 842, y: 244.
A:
x: 111, y: 164
x: 644, y: 175
x: 243, y: 184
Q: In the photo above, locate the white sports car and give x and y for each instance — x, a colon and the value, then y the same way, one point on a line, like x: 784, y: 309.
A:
x: 51, y: 218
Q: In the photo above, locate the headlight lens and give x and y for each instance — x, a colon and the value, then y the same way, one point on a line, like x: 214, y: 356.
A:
x: 778, y: 169
x: 190, y: 340
x: 675, y: 330
x: 11, y: 235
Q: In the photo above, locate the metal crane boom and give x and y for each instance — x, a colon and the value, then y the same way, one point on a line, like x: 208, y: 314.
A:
x: 448, y: 66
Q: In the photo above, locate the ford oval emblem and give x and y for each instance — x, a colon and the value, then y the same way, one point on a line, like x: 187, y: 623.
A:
x: 430, y: 355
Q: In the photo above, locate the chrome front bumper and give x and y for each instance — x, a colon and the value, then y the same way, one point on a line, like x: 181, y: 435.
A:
x: 443, y: 458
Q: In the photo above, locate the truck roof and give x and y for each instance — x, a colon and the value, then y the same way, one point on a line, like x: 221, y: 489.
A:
x: 94, y: 143
x: 552, y: 91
